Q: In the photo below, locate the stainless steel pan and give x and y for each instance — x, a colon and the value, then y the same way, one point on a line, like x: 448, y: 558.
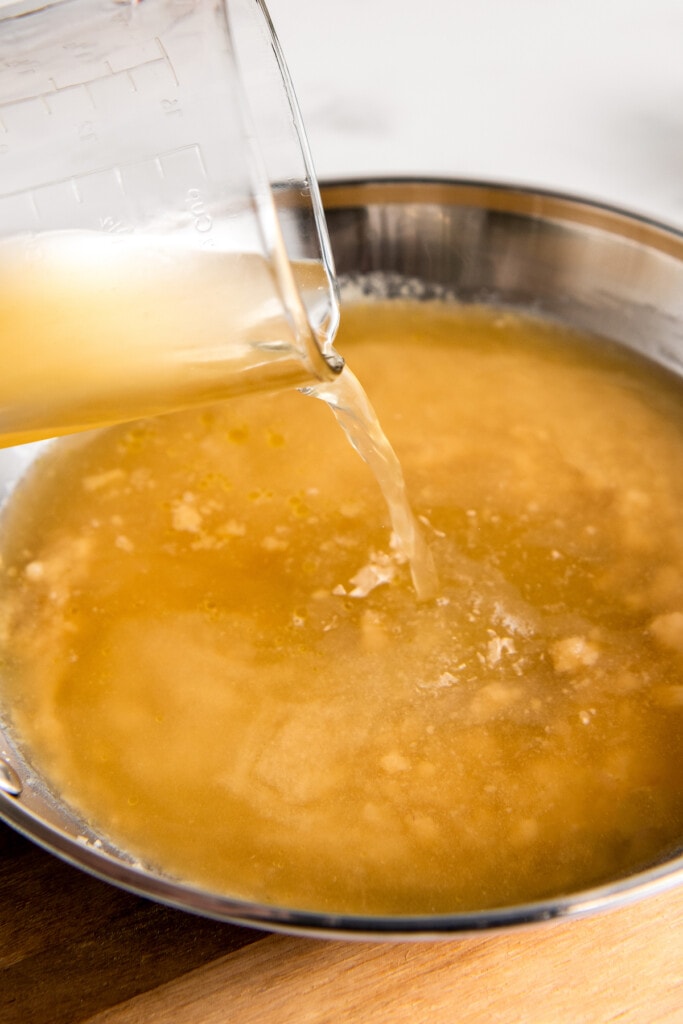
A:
x: 597, y: 269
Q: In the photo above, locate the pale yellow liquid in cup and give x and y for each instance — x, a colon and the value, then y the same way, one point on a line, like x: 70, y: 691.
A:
x: 98, y: 330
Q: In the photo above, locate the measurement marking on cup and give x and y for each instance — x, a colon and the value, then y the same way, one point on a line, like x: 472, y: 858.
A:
x: 200, y: 160
x: 86, y: 88
x: 169, y: 62
x: 119, y: 178
x: 195, y: 204
x: 86, y: 132
x: 114, y: 226
x: 45, y: 94
x: 76, y: 188
x: 34, y: 206
x: 171, y: 107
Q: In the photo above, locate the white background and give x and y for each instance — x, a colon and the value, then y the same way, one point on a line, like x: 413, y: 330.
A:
x: 582, y: 96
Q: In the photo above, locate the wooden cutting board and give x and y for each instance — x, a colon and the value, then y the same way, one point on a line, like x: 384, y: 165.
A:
x: 73, y: 949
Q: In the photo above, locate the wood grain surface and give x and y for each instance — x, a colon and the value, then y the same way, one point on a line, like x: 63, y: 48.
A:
x: 73, y: 949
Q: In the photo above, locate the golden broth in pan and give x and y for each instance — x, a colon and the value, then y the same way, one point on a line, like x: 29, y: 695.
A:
x: 211, y: 649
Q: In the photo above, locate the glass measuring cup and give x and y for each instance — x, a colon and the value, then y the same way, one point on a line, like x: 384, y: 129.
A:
x: 162, y: 241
